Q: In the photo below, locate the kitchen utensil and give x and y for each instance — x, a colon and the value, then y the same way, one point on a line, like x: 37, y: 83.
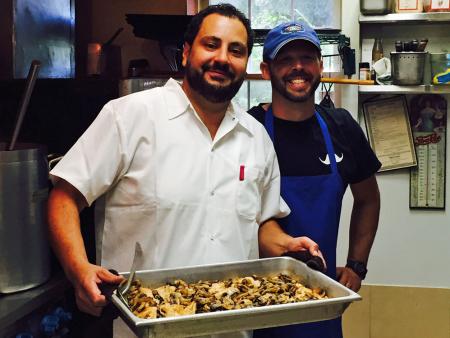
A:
x: 399, y: 46
x: 422, y: 44
x: 104, y: 59
x: 242, y: 319
x: 112, y: 38
x: 31, y: 79
x: 406, y: 46
x: 172, y: 54
x: 107, y: 289
x: 408, y: 67
x: 137, y: 260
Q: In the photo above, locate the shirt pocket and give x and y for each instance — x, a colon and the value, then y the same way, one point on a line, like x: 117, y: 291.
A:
x: 248, y: 193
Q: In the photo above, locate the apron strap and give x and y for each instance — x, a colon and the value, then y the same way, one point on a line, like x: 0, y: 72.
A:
x: 328, y: 142
x: 268, y: 123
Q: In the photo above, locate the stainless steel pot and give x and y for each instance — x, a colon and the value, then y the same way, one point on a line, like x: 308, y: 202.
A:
x: 24, y: 248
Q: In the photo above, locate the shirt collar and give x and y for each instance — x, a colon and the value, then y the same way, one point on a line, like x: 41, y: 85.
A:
x: 178, y: 104
x: 242, y: 117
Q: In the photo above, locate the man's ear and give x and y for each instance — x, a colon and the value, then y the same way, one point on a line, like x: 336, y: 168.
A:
x: 186, y: 51
x: 265, y: 71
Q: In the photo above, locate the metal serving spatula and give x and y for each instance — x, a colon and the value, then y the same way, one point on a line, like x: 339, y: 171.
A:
x: 123, y: 287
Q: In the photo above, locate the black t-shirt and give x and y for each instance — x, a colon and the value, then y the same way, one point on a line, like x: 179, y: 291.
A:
x: 301, y: 148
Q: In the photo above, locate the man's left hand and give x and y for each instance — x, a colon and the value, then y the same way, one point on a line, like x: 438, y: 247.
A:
x: 348, y: 278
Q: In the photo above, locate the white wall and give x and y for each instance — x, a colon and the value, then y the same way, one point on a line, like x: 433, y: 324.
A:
x: 412, y: 247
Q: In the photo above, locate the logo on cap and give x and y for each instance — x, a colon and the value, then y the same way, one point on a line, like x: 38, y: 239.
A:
x: 293, y: 29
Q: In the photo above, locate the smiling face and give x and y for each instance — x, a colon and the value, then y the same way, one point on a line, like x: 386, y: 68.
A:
x: 295, y: 72
x: 216, y: 62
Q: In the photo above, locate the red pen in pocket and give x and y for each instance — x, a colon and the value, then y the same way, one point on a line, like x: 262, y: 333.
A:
x: 241, y: 172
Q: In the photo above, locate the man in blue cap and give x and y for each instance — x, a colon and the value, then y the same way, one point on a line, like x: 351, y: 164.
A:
x: 321, y: 151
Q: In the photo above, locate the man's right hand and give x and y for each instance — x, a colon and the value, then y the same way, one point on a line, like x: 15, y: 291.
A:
x: 86, y: 282
x: 65, y: 203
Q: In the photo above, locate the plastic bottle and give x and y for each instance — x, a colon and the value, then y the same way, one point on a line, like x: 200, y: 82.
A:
x: 377, y: 50
x: 377, y: 54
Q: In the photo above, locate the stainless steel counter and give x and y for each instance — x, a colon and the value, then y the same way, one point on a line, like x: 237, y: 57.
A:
x: 17, y: 305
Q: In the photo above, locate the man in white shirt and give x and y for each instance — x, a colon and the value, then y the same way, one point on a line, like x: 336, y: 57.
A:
x: 178, y: 168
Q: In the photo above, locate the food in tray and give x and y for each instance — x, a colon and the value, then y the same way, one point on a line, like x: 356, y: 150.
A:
x: 181, y: 298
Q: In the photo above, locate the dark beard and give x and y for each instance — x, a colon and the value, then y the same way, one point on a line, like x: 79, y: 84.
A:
x: 279, y: 86
x: 213, y: 93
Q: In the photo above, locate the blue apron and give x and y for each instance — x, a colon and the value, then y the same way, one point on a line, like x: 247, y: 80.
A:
x: 315, y: 203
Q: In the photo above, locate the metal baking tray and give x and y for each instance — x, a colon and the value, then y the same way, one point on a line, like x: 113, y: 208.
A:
x: 242, y: 319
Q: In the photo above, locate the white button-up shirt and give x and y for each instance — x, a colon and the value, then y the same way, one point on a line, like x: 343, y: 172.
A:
x: 161, y: 180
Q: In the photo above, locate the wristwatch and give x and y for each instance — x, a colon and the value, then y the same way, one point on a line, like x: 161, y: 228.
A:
x: 358, y: 267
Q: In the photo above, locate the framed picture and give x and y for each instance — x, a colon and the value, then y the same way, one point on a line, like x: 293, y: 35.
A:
x: 389, y: 132
x: 440, y: 5
x: 428, y: 116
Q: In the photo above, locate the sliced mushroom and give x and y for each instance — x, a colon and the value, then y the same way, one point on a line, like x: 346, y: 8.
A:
x: 181, y: 298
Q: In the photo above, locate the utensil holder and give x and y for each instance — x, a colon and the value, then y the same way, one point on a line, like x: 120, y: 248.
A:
x: 408, y: 67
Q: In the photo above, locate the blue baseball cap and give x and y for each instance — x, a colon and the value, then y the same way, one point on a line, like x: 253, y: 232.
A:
x: 285, y: 33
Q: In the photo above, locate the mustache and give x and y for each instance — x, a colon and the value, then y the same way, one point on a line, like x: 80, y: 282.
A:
x: 298, y: 73
x: 224, y: 68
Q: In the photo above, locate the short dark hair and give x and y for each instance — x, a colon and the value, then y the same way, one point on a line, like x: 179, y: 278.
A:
x: 222, y: 9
